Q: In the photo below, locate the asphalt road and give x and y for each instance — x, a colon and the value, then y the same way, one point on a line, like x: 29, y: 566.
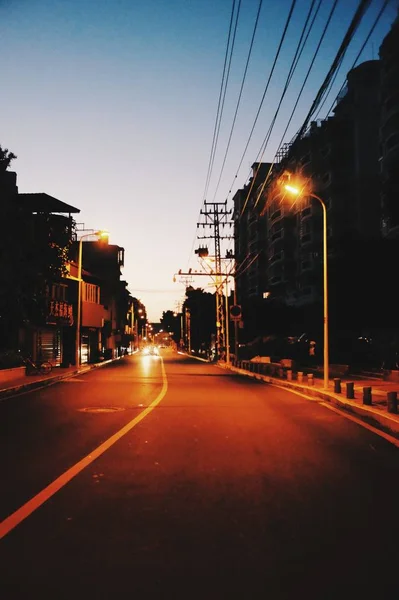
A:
x: 172, y: 478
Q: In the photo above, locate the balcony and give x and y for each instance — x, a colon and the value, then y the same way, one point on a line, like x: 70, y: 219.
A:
x: 277, y: 235
x: 306, y: 238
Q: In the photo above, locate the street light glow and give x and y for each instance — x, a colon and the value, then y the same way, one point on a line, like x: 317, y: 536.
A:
x: 292, y: 189
x: 102, y: 233
x: 298, y: 192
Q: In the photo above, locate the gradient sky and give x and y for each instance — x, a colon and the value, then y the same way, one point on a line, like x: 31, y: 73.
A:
x: 110, y: 106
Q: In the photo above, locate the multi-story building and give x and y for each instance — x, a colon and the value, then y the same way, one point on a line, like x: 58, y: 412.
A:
x: 108, y: 326
x: 48, y: 225
x: 339, y: 159
x: 389, y: 132
x: 250, y: 239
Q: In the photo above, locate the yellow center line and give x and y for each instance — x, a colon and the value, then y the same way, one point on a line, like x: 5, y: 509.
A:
x: 34, y: 503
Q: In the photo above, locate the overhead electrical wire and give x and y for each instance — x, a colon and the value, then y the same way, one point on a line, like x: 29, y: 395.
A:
x: 363, y: 5
x: 218, y: 114
x: 337, y: 65
x: 222, y: 95
x: 376, y: 21
x: 361, y: 9
x: 294, y: 63
x: 299, y: 49
x: 238, y: 274
x: 240, y: 95
x: 297, y: 100
x: 298, y: 53
x: 282, y: 38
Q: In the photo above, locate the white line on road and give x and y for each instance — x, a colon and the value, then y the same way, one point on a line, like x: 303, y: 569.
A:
x: 34, y: 503
x: 386, y: 436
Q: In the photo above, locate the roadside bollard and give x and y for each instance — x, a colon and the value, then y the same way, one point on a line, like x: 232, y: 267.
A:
x: 310, y: 379
x: 392, y: 398
x: 350, y: 391
x: 289, y: 375
x: 300, y: 376
x: 337, y: 385
x: 367, y: 396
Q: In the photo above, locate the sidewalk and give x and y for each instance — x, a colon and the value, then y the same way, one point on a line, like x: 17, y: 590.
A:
x: 23, y: 383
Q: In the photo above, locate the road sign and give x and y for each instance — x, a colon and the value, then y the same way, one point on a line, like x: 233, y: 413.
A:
x: 235, y: 312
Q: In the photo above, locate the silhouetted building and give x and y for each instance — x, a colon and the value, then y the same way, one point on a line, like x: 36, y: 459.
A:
x: 389, y: 133
x: 106, y: 301
x: 339, y: 156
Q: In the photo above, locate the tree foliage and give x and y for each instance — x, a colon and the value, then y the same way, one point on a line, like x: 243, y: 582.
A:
x: 6, y: 157
x: 33, y: 254
x: 202, y: 309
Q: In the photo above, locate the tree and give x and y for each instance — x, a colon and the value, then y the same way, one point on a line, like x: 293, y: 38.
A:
x: 202, y: 308
x: 171, y: 323
x: 5, y: 159
x: 33, y: 254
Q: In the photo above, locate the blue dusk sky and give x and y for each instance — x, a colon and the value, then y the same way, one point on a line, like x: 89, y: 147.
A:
x: 111, y: 105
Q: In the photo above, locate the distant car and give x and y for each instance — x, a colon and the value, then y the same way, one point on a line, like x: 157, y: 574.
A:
x: 151, y: 351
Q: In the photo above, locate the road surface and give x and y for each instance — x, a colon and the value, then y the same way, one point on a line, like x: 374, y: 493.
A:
x: 173, y: 478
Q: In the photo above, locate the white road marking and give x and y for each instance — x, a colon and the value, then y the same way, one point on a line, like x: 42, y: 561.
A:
x: 324, y: 403
x: 34, y: 503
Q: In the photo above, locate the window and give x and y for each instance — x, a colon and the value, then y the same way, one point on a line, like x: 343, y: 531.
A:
x: 121, y: 257
x: 91, y: 293
x: 58, y: 292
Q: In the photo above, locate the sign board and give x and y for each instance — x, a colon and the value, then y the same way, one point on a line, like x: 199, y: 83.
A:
x: 235, y: 312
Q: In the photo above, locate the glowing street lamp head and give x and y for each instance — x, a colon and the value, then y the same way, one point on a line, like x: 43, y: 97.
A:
x: 102, y: 234
x: 292, y: 189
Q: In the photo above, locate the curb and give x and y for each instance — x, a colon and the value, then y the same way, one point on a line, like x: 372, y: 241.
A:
x: 385, y: 421
x: 41, y: 383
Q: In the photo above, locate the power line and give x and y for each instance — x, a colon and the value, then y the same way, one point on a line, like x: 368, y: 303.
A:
x: 282, y: 38
x: 361, y: 9
x: 239, y: 96
x: 378, y: 17
x: 294, y: 63
x: 298, y: 97
x: 218, y: 116
x: 222, y: 95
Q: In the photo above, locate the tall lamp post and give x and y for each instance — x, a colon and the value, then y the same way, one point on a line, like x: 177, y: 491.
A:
x: 296, y: 191
x: 100, y: 234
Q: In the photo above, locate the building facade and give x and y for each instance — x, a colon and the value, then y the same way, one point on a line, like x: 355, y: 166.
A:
x: 389, y: 132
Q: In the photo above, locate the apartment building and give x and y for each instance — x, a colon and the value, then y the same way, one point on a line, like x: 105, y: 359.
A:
x: 389, y: 132
x: 338, y: 157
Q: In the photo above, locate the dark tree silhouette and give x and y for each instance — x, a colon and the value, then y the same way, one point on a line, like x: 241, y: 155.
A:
x: 5, y: 159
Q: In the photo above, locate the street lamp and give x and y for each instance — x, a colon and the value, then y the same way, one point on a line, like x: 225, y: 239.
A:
x: 298, y: 192
x: 100, y: 234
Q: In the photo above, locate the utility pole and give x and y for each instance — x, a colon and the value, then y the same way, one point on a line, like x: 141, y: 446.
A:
x: 216, y: 216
